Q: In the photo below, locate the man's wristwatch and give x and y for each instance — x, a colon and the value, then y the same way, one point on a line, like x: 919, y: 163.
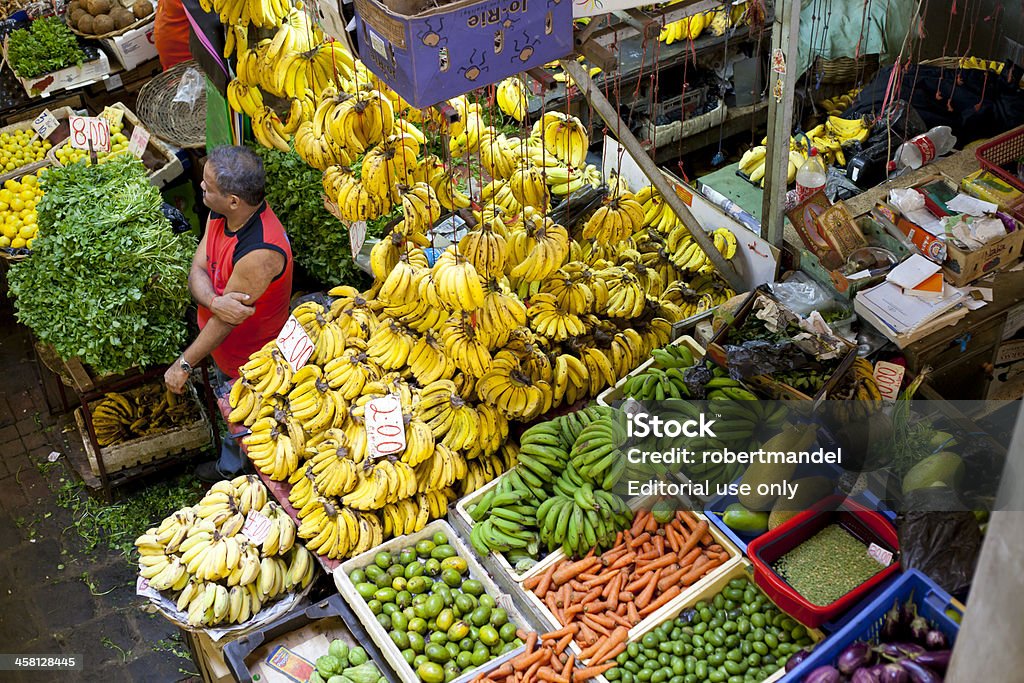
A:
x: 185, y: 365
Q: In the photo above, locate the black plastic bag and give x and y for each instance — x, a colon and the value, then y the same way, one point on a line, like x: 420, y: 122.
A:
x: 938, y: 538
x: 179, y: 224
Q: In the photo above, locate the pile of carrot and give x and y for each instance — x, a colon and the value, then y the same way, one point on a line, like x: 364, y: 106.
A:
x: 545, y: 659
x: 606, y: 595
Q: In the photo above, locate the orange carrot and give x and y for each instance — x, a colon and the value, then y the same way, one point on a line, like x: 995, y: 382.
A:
x: 618, y: 538
x: 531, y: 641
x: 550, y: 676
x: 586, y: 636
x: 555, y: 661
x: 662, y: 561
x: 637, y: 584
x: 565, y: 630
x: 617, y: 637
x: 583, y: 675
x: 545, y: 580
x: 524, y: 662
x: 585, y: 577
x: 619, y: 619
x: 672, y: 579
x: 531, y: 673
x: 699, y: 571
x: 612, y: 654
x: 694, y: 539
x: 569, y: 663
x: 626, y: 595
x: 623, y: 561
x: 672, y: 592
x: 640, y: 540
x: 651, y: 554
x: 521, y: 634
x: 563, y: 643
x: 639, y: 522
x: 673, y: 539
x: 572, y: 570
x: 502, y: 671
x: 632, y: 614
x: 601, y: 579
x: 613, y: 595
x: 531, y: 583
x: 698, y: 527
x: 549, y: 600
x: 592, y: 594
x: 571, y: 611
x: 714, y: 548
x: 590, y: 621
x: 647, y: 594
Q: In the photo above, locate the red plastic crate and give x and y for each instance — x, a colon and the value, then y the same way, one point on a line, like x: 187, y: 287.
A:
x: 1002, y: 150
x: 866, y: 525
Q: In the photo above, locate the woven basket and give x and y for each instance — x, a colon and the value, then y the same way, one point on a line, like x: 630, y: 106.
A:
x: 173, y: 121
x: 846, y: 69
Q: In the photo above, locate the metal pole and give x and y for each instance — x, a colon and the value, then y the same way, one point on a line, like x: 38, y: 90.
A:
x: 610, y: 115
x: 781, y: 94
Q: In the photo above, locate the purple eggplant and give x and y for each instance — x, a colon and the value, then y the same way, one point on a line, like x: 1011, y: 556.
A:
x: 919, y: 627
x: 871, y: 674
x: 898, y: 650
x: 856, y: 656
x: 796, y: 658
x: 891, y: 625
x: 937, y: 660
x: 936, y: 640
x: 824, y: 674
x: 919, y: 673
x: 894, y: 673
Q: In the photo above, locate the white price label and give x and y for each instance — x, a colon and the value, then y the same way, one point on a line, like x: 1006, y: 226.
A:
x: 883, y: 556
x: 112, y: 115
x: 143, y: 588
x: 294, y: 343
x: 256, y: 526
x: 889, y: 378
x: 45, y: 123
x: 140, y: 138
x: 356, y: 237
x: 86, y: 128
x: 385, y: 426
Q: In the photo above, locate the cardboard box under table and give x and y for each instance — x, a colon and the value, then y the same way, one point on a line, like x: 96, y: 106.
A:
x: 430, y: 55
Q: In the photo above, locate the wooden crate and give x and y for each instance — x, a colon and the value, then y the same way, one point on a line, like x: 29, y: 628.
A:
x: 146, y: 449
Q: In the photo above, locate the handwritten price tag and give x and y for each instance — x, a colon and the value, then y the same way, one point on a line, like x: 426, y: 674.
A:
x: 143, y: 588
x: 86, y: 128
x: 294, y: 343
x: 112, y: 115
x: 889, y: 378
x: 356, y: 237
x: 140, y: 138
x: 256, y: 526
x: 385, y: 427
x: 880, y: 554
x: 45, y: 123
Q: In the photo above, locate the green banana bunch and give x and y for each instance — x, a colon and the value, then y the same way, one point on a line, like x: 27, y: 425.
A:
x: 673, y: 356
x: 585, y: 519
x: 596, y: 456
x: 506, y: 517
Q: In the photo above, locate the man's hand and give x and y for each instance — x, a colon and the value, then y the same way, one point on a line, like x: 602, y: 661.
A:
x: 231, y: 307
x: 175, y: 378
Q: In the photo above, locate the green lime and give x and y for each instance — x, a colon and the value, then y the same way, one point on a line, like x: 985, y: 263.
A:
x: 403, y: 599
x: 480, y: 616
x: 417, y: 625
x: 464, y: 660
x: 451, y: 577
x: 481, y: 655
x: 385, y: 595
x: 499, y: 617
x: 430, y: 672
x: 413, y: 570
x: 465, y: 604
x: 407, y: 556
x: 425, y: 547
x: 418, y: 584
x: 467, y: 644
x: 376, y: 606
x: 382, y: 560
x: 357, y: 576
x: 453, y: 649
x: 399, y: 622
x: 385, y: 621
x: 507, y: 632
x: 473, y: 587
x: 486, y: 601
x: 456, y: 563
x: 409, y: 656
x: 432, y: 566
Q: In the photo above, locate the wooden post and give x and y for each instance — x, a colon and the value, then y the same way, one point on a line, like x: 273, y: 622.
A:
x: 781, y: 93
x: 610, y: 115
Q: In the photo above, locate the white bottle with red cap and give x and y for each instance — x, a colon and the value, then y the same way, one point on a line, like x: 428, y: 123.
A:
x: 810, y: 177
x: 918, y: 151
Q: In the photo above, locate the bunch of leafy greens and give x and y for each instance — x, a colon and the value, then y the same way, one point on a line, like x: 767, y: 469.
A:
x: 319, y: 240
x: 47, y: 45
x: 107, y: 280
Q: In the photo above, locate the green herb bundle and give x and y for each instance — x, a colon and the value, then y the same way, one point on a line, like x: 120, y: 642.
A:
x: 47, y: 45
x: 319, y: 240
x: 108, y: 279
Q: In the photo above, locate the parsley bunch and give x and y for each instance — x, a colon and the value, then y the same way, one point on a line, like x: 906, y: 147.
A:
x: 107, y: 280
x: 319, y: 240
x: 46, y: 46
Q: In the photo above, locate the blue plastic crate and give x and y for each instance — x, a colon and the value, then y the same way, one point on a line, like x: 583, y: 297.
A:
x: 931, y: 602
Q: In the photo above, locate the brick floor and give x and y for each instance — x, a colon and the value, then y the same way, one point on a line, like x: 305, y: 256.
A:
x: 46, y: 604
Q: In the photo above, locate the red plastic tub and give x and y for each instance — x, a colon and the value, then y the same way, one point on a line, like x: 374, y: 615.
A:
x: 865, y: 525
x: 996, y: 153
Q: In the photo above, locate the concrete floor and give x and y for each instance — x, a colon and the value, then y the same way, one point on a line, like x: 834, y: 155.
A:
x: 56, y: 595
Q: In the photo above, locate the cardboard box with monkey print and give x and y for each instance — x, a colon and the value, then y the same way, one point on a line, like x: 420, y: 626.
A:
x: 429, y: 54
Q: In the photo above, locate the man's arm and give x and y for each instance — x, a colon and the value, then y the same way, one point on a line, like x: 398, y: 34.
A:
x: 251, y: 277
x: 231, y: 307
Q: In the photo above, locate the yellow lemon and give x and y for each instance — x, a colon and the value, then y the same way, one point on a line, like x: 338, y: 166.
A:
x: 5, y: 241
x: 29, y: 181
x: 3, y: 208
x: 27, y: 194
x: 18, y: 242
x: 9, y: 231
x: 10, y: 184
x: 17, y: 204
x: 27, y: 231
x: 29, y: 241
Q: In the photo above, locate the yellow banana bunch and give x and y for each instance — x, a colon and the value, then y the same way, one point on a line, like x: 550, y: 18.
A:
x: 511, y: 97
x: 616, y: 220
x: 686, y: 28
x: 528, y: 187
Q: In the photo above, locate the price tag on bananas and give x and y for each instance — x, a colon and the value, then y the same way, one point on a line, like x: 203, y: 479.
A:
x: 143, y: 588
x: 294, y: 343
x: 90, y: 128
x: 356, y: 237
x: 256, y: 526
x: 44, y: 124
x: 385, y: 426
x: 889, y: 378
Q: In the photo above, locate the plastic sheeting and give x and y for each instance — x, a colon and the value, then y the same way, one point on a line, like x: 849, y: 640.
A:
x: 849, y: 28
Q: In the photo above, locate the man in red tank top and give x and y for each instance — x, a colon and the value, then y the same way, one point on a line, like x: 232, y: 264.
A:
x: 241, y: 278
